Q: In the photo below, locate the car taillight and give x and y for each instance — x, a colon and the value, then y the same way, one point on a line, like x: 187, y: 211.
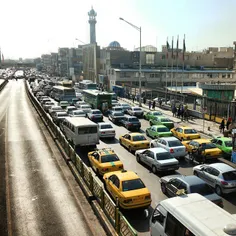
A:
x: 127, y: 201
x: 224, y: 182
x: 171, y: 150
x: 129, y: 124
x: 103, y: 132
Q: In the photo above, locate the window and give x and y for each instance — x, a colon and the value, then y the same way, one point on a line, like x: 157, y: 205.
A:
x: 219, y: 142
x: 174, y: 227
x: 158, y: 216
x: 150, y: 58
x: 215, y: 172
x: 116, y: 182
x: 175, y: 182
x: 87, y: 130
x: 228, y: 176
x: 128, y: 185
x: 109, y: 158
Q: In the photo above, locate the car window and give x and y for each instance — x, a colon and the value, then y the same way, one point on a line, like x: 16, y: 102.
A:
x: 175, y: 143
x: 106, y: 126
x: 109, y: 158
x: 190, y: 131
x: 215, y: 172
x: 228, y: 176
x: 163, y: 129
x: 208, y: 170
x: 133, y: 119
x: 158, y: 216
x: 202, y: 189
x: 127, y: 136
x: 128, y: 185
x: 214, y: 140
x: 96, y: 155
x: 219, y: 142
x: 165, y: 120
x: 139, y: 138
x: 118, y: 114
x: 228, y: 143
x: 163, y: 156
x: 163, y: 142
x: 116, y: 182
x: 151, y: 154
x: 210, y: 146
x: 175, y: 182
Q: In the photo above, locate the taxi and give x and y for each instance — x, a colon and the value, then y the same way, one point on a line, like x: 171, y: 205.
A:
x: 210, y: 149
x: 126, y: 187
x: 104, y: 160
x: 134, y: 141
x: 185, y: 133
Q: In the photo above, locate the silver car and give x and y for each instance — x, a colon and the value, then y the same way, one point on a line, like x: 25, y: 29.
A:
x: 48, y: 105
x: 106, y: 130
x: 172, y: 145
x: 158, y: 159
x: 85, y: 107
x: 54, y: 109
x: 77, y: 113
x: 220, y: 176
x: 95, y: 115
x: 135, y: 111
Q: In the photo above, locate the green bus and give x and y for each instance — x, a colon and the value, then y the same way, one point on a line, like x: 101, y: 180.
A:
x: 98, y: 99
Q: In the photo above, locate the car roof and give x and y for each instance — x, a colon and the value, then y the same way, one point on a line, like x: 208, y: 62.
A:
x: 136, y: 107
x: 135, y: 133
x: 169, y: 138
x: 158, y: 150
x: 126, y: 175
x: 95, y: 110
x: 222, y: 167
x: 129, y: 116
x: 185, y: 127
x: 159, y: 126
x: 104, y: 123
x: 223, y: 138
x: 202, y: 140
x: 191, y: 179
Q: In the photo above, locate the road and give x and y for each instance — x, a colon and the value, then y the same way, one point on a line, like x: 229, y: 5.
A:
x: 151, y: 180
x: 40, y: 195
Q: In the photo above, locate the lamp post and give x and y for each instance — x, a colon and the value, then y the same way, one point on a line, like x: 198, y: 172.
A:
x: 203, y: 111
x: 140, y: 66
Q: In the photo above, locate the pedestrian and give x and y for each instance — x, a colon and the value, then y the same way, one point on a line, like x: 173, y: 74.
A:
x: 150, y: 104
x: 229, y: 121
x: 144, y: 100
x: 179, y: 112
x: 182, y: 112
x: 133, y: 97
x: 153, y: 105
x: 222, y: 126
x: 174, y: 110
x: 160, y: 102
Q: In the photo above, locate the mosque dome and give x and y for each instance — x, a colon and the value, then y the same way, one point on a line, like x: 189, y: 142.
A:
x: 114, y: 44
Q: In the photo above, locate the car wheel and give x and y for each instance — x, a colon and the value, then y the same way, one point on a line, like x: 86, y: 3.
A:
x: 150, y: 123
x: 138, y: 158
x: 121, y: 144
x: 218, y: 190
x: 154, y: 169
x: 163, y: 188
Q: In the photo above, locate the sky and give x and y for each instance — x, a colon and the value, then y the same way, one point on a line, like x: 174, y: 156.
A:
x: 30, y: 28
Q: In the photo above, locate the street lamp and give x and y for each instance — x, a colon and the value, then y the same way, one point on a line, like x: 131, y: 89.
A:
x: 203, y: 111
x: 140, y: 66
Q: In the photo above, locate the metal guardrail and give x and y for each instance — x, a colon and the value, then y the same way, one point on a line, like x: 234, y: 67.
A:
x: 2, y: 85
x: 111, y: 210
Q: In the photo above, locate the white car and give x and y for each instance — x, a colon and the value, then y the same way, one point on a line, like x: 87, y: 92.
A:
x: 69, y: 109
x: 77, y: 113
x: 85, y: 107
x: 54, y: 109
x: 135, y: 111
x: 172, y: 145
x: 106, y: 130
x: 48, y: 105
x: 77, y: 104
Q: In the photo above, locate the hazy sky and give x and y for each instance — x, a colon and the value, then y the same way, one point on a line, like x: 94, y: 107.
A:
x: 30, y: 28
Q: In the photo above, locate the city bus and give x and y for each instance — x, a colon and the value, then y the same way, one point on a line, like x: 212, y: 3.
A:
x: 98, y: 99
x: 61, y: 93
x: 86, y: 84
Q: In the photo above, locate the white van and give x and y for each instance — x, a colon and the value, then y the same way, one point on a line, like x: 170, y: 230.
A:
x: 191, y: 215
x: 80, y: 131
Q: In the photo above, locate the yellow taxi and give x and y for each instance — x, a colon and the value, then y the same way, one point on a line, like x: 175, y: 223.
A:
x: 185, y: 133
x: 104, y: 160
x: 134, y: 141
x: 128, y: 188
x: 210, y: 149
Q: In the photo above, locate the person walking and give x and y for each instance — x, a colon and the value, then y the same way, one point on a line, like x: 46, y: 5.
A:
x: 133, y: 97
x: 150, y: 104
x: 174, y: 110
x: 222, y: 126
x: 229, y: 121
x: 144, y: 100
x: 160, y: 102
x: 153, y: 105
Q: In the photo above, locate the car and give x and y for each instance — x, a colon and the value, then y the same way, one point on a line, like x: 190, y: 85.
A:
x: 134, y: 141
x: 74, y: 100
x: 104, y: 160
x: 135, y: 111
x: 116, y: 116
x: 77, y: 104
x: 151, y: 114
x: 157, y: 131
x: 95, y: 115
x: 54, y: 109
x: 69, y: 109
x: 48, y: 105
x: 219, y: 176
x: 63, y: 104
x: 158, y: 159
x: 172, y: 145
x: 131, y: 122
x: 224, y: 144
x: 42, y: 97
x: 77, y: 113
x: 114, y: 103
x: 125, y: 107
x: 58, y: 117
x: 44, y: 100
x: 185, y: 133
x: 106, y: 130
x: 86, y: 108
x: 210, y: 151
x: 128, y: 189
x: 161, y: 120
x: 172, y: 185
x: 116, y: 108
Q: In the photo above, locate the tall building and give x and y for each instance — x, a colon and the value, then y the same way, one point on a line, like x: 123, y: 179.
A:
x: 92, y: 21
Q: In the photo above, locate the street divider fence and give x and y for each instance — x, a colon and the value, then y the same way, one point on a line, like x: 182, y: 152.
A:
x: 89, y: 182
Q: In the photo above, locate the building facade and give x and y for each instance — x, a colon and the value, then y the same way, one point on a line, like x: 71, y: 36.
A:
x: 46, y: 62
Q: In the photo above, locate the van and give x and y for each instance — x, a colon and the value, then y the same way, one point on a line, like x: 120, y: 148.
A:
x: 80, y: 131
x: 191, y: 215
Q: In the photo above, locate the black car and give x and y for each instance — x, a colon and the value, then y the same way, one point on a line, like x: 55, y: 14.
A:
x: 116, y: 116
x: 131, y: 122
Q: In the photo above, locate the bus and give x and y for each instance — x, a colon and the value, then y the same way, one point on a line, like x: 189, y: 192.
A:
x: 61, y: 93
x: 65, y: 83
x: 98, y: 99
x: 86, y: 84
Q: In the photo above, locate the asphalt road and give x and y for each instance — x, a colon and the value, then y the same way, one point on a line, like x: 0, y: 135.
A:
x: 40, y: 195
x: 137, y: 220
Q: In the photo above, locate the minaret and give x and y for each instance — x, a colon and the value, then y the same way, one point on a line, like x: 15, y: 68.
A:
x: 92, y: 21
x: 234, y: 56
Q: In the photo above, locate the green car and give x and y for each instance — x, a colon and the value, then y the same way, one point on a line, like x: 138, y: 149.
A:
x: 151, y: 114
x: 224, y: 144
x: 157, y: 131
x: 161, y: 120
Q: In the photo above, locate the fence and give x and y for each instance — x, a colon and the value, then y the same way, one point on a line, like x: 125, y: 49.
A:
x: 86, y: 177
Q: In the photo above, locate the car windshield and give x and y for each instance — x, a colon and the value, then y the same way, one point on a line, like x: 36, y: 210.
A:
x: 85, y: 106
x: 62, y: 114
x: 231, y: 175
x: 163, y: 129
x: 64, y: 103
x: 78, y: 113
x: 165, y: 120
x: 134, y: 120
x: 228, y: 143
x: 157, y: 113
x: 190, y: 131
x: 106, y: 126
x: 137, y: 109
x: 210, y: 145
x: 175, y: 143
x: 202, y: 189
x: 163, y: 156
x: 125, y: 105
x: 109, y: 158
x: 56, y: 108
x: 118, y: 109
x: 139, y: 138
x: 97, y: 112
x: 118, y: 114
x: 133, y: 184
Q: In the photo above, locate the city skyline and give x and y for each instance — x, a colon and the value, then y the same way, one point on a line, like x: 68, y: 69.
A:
x: 54, y: 24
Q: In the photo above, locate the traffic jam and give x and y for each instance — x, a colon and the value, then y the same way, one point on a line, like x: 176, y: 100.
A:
x: 137, y: 152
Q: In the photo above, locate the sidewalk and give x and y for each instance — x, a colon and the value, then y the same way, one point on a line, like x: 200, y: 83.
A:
x: 210, y: 128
